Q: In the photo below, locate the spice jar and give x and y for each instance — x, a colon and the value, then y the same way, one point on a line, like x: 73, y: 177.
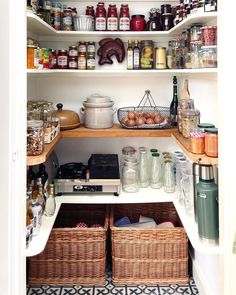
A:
x: 209, y: 35
x: 211, y: 142
x: 130, y: 175
x: 112, y: 18
x: 124, y: 20
x: 146, y: 54
x: 62, y: 59
x: 197, y: 141
x: 138, y: 22
x: 35, y: 137
x: 190, y: 119
x: 184, y: 104
x: 208, y: 56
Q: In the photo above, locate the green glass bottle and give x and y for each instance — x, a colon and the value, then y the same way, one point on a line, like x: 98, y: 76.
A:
x: 174, y: 102
x: 207, y: 206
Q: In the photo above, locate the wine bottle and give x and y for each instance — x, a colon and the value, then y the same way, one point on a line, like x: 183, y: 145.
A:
x: 130, y: 54
x: 174, y: 102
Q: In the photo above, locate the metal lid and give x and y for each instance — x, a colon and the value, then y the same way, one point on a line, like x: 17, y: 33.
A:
x: 206, y: 172
x: 212, y: 130
x: 206, y: 125
x: 155, y: 154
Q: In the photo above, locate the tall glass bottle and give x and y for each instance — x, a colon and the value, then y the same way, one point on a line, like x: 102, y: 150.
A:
x: 156, y: 171
x: 41, y: 198
x: 174, y: 102
x: 50, y: 206
x: 130, y: 56
x: 143, y: 168
x: 37, y: 214
x: 136, y: 55
x: 42, y: 178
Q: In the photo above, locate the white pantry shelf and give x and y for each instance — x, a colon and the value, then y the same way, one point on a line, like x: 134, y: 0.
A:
x: 37, y: 26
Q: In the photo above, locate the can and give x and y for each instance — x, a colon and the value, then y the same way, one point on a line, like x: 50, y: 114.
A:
x: 146, y: 54
x: 160, y: 58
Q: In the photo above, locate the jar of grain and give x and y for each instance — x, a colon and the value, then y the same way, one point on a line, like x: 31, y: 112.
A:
x: 190, y: 119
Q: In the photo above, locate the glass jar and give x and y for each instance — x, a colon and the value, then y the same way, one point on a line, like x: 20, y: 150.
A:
x: 143, y: 168
x: 62, y: 59
x: 53, y: 59
x: 146, y: 54
x: 73, y: 51
x: 35, y: 137
x: 90, y: 61
x: 31, y: 55
x: 73, y: 63
x: 130, y: 176
x: 167, y: 21
x: 190, y: 118
x: 209, y: 34
x: 197, y: 141
x: 67, y: 19
x: 138, y: 22
x: 82, y: 47
x: 112, y: 18
x: 195, y: 32
x: 124, y: 19
x: 90, y: 10
x: 211, y: 142
x: 195, y: 54
x: 160, y: 58
x: 82, y: 61
x: 208, y: 56
x: 154, y: 22
x: 184, y: 104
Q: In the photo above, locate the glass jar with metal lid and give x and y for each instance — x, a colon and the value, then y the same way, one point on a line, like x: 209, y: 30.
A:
x: 190, y: 119
x: 35, y: 137
x: 211, y: 142
x: 184, y: 104
x: 208, y: 56
x: 146, y: 54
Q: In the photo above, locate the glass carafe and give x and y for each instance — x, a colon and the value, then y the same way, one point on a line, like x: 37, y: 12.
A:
x: 130, y: 175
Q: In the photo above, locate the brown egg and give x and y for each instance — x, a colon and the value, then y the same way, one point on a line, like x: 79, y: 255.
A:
x: 149, y: 121
x: 140, y: 121
x: 130, y: 123
x: 131, y: 115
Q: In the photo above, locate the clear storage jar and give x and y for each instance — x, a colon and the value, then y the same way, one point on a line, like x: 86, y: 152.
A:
x: 190, y: 119
x: 195, y: 54
x: 208, y: 56
x: 209, y: 35
x: 197, y: 144
x: 130, y: 175
x: 184, y: 104
x: 35, y: 137
x: 195, y: 32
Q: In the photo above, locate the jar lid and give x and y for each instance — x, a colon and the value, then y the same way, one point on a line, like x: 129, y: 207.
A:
x: 212, y: 130
x: 35, y: 123
x: 153, y: 150
x: 62, y: 50
x: 138, y: 15
x: 208, y: 27
x: 209, y: 47
x: 196, y: 26
x: 206, y: 125
x: 127, y: 150
x: 155, y: 154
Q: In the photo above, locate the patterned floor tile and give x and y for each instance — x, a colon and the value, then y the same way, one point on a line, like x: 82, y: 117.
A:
x: 85, y: 290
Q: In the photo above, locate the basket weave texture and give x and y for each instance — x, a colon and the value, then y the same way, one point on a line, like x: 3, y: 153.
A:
x: 148, y: 256
x: 73, y: 255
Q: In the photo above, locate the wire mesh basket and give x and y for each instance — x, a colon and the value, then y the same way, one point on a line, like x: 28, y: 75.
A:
x: 146, y: 115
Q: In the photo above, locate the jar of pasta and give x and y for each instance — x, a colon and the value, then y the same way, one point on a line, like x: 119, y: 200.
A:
x: 211, y: 142
x: 190, y: 119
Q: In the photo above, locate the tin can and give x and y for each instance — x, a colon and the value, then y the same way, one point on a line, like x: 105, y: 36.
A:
x: 146, y: 54
x: 160, y: 57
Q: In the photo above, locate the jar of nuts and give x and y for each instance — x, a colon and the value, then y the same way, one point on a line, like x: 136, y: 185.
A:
x: 190, y: 119
x: 35, y: 137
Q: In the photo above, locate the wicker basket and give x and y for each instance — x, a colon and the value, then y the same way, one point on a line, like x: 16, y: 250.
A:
x: 148, y: 256
x: 73, y: 255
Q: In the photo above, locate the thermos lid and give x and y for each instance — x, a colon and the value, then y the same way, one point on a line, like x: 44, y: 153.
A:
x: 206, y: 172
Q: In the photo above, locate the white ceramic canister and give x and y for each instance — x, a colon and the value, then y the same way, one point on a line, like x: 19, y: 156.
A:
x: 98, y: 114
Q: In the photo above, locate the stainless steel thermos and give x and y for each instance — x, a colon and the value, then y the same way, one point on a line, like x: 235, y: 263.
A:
x: 207, y: 205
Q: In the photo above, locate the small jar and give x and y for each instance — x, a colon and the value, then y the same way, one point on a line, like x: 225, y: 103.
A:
x: 53, y: 59
x: 90, y: 11
x: 67, y: 19
x: 208, y: 56
x: 167, y: 21
x: 190, y: 119
x: 91, y: 48
x: 138, y: 22
x: 112, y: 18
x: 82, y: 61
x: 211, y: 142
x: 130, y: 176
x: 195, y: 32
x: 197, y: 141
x: 209, y: 35
x: 160, y: 58
x: 82, y: 47
x: 73, y: 63
x: 146, y: 54
x: 195, y: 54
x: 62, y: 59
x: 35, y: 137
x: 31, y: 55
x: 124, y: 19
x: 73, y: 51
x: 90, y: 62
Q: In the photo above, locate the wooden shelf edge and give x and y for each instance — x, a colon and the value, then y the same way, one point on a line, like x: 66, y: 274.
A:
x: 116, y: 131
x: 184, y: 145
x: 48, y: 149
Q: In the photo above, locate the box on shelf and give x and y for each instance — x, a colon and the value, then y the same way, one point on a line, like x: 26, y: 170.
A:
x: 148, y: 256
x: 73, y: 255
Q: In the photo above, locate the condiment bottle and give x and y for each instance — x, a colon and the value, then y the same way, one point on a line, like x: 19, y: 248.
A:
x: 53, y: 59
x: 130, y: 53
x: 100, y: 19
x: 124, y: 21
x: 62, y: 59
x: 143, y: 168
x: 50, y: 206
x: 136, y: 54
x: 112, y: 18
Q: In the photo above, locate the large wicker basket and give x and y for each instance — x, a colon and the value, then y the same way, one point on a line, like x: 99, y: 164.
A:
x: 148, y: 256
x: 73, y: 255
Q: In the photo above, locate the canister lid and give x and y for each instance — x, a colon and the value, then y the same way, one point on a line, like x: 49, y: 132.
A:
x: 206, y: 125
x: 212, y: 130
x: 35, y: 123
x: 206, y: 172
x: 155, y: 154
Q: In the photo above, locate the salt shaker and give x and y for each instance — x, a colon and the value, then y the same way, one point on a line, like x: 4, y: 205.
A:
x: 156, y: 171
x: 169, y: 180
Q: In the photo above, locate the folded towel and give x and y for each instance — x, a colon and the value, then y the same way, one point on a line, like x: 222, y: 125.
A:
x: 144, y: 218
x: 166, y: 224
x: 122, y: 221
x: 145, y: 224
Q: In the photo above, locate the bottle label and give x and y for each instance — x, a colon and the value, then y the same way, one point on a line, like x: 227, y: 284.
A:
x: 73, y: 64
x: 100, y: 24
x: 90, y: 63
x: 73, y: 52
x: 112, y: 24
x: 62, y: 61
x: 201, y: 195
x: 130, y: 60
x: 124, y: 24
